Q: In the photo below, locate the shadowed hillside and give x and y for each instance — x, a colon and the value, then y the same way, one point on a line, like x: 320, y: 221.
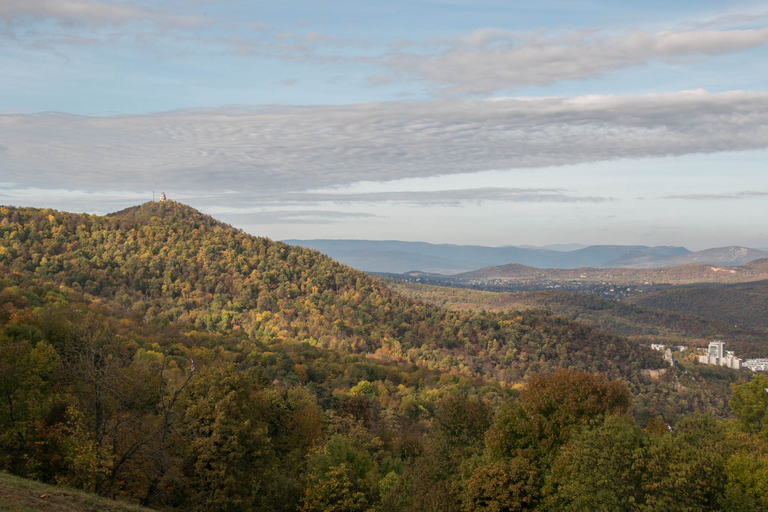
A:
x: 643, y: 324
x: 744, y: 305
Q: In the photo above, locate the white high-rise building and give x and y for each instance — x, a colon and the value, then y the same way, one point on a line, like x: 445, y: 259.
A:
x: 716, y: 354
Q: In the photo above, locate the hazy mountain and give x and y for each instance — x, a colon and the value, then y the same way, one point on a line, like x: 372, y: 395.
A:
x: 397, y: 261
x: 553, y: 247
x: 676, y: 275
x: 718, y: 256
x: 399, y: 257
x: 723, y: 255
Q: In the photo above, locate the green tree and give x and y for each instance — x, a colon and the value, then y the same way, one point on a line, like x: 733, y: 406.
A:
x: 561, y: 401
x: 334, y: 491
x: 747, y: 471
x: 226, y: 449
x: 600, y: 469
x: 685, y: 471
x: 749, y: 404
x: 461, y: 424
x: 509, y: 485
x: 27, y: 372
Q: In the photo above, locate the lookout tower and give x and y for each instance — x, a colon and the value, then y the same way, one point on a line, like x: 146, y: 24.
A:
x: 162, y: 197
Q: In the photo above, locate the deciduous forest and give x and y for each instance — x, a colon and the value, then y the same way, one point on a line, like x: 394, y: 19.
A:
x: 163, y: 358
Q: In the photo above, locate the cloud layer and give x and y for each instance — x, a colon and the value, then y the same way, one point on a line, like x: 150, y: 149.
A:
x: 743, y: 194
x: 267, y: 151
x: 490, y: 60
x: 455, y: 197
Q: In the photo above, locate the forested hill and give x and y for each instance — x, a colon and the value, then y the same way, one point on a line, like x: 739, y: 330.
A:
x: 164, y: 358
x: 167, y: 262
x: 743, y: 304
x: 642, y: 324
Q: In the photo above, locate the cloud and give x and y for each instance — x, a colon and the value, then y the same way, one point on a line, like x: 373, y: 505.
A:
x: 484, y: 61
x: 269, y: 151
x: 489, y: 60
x: 744, y: 194
x: 251, y: 215
x: 98, y: 201
x: 91, y: 13
x: 445, y: 197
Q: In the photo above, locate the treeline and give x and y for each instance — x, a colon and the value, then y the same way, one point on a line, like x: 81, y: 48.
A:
x: 182, y: 419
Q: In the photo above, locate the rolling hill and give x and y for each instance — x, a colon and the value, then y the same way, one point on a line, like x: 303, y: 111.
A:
x: 159, y: 356
x: 742, y: 304
x: 643, y: 324
x: 169, y: 263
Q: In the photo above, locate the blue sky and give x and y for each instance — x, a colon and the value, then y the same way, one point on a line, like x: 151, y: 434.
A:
x: 483, y: 122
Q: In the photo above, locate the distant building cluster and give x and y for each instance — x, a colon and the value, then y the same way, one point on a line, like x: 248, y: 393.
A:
x: 717, y: 355
x: 756, y: 365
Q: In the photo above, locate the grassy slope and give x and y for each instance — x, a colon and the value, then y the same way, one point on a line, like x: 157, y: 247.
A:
x: 22, y: 495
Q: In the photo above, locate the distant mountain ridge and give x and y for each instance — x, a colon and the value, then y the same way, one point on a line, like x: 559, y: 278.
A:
x: 731, y: 256
x: 392, y: 256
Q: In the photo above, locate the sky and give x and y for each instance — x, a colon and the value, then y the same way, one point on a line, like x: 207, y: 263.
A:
x: 482, y: 122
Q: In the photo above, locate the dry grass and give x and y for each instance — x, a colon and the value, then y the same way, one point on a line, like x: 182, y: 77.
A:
x: 21, y: 495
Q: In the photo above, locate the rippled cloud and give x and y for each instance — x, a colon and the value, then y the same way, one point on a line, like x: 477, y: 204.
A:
x: 271, y: 151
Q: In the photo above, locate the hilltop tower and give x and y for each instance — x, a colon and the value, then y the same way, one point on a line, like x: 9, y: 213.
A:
x: 162, y: 197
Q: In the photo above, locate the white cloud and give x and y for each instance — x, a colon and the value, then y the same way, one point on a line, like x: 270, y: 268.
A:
x: 455, y: 197
x: 484, y: 61
x: 259, y: 215
x: 274, y: 151
x: 489, y: 60
x: 743, y: 194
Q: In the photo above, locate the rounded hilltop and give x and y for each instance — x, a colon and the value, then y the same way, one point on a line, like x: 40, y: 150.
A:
x: 167, y: 211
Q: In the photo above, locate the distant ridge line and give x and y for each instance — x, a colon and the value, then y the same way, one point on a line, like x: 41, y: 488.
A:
x: 393, y: 256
